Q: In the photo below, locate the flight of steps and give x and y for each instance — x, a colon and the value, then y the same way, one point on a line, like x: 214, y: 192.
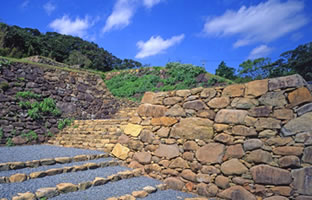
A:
x: 52, y: 172
x: 90, y: 134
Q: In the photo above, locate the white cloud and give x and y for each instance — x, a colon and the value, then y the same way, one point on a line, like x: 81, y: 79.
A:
x: 260, y: 51
x: 264, y: 22
x: 156, y: 45
x: 77, y: 27
x: 150, y: 3
x: 49, y: 7
x: 122, y: 13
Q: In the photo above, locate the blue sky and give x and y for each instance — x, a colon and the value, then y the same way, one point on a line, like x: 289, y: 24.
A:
x: 159, y: 31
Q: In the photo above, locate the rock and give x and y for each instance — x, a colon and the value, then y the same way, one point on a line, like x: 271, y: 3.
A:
x: 261, y: 111
x: 286, y: 114
x: 174, y: 183
x: 259, y: 156
x: 39, y: 174
x: 304, y: 109
x: 234, y: 151
x: 241, y: 181
x: 233, y: 167
x: 190, y: 146
x: 220, y: 127
x: 66, y: 187
x: 143, y: 157
x: 153, y: 98
x: 304, y: 198
x: 252, y: 144
x: 63, y: 160
x: 175, y: 111
x: 279, y: 141
x: 147, y: 136
x: 150, y: 189
x: 202, y: 189
x: 275, y: 99
x: 256, y: 88
x: 189, y: 175
x: 267, y: 123
x: 267, y: 134
x: 289, y: 161
x: 288, y: 150
x: 208, y: 93
x: 195, y: 105
x: 210, y: 114
x: 135, y: 145
x: 18, y: 140
x: 307, y: 155
x: 265, y: 174
x: 222, y: 181
x: 167, y: 151
x: 172, y: 100
x: 179, y: 163
x: 224, y: 138
x: 219, y: 102
x: 299, y: 96
x: 163, y: 132
x: 133, y: 129
x: 236, y: 193
x: 163, y: 121
x: 228, y: 116
x: 282, y: 190
x: 193, y: 128
x: 127, y: 197
x: 210, y: 153
x: 204, y: 178
x: 25, y: 196
x: 47, y: 192
x: 120, y: 151
x: 47, y: 161
x: 236, y: 90
x: 298, y: 125
x: 123, y: 139
x: 243, y: 131
x: 302, y: 180
x: 210, y: 170
x: 276, y: 198
x: 17, y: 178
x: 305, y: 137
x: 148, y: 110
x: 101, y: 181
x: 139, y: 194
x: 286, y: 82
x: 183, y: 93
x: 244, y: 103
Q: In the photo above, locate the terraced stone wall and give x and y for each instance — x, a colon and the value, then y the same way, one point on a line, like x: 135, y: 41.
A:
x: 77, y: 94
x: 245, y: 141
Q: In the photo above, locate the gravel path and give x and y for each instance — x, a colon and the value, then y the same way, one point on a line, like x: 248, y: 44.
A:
x: 113, y: 189
x: 37, y: 152
x: 10, y: 189
x: 44, y: 168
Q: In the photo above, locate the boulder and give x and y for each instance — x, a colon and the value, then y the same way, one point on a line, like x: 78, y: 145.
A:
x: 195, y: 105
x: 284, y: 113
x: 174, y: 183
x: 193, y: 128
x: 234, y: 151
x: 243, y: 131
x: 228, y: 116
x: 244, y: 103
x: 208, y: 93
x: 302, y: 180
x: 275, y: 99
x: 307, y: 155
x: 259, y: 156
x: 256, y: 88
x: 179, y: 163
x: 252, y: 144
x: 168, y: 151
x: 265, y: 174
x: 289, y: 161
x: 175, y: 111
x: 299, y: 96
x: 66, y: 187
x: 267, y: 123
x: 120, y: 151
x: 298, y: 125
x: 261, y: 111
x: 236, y: 193
x: 210, y: 153
x: 304, y: 109
x: 143, y: 157
x: 133, y: 129
x: 233, y: 167
x: 219, y: 102
x: 172, y: 100
x: 163, y: 121
x: 288, y: 150
x: 236, y: 90
x: 148, y: 110
x: 286, y: 82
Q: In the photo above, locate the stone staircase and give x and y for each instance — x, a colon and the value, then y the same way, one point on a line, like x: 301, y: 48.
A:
x: 51, y: 172
x: 90, y: 134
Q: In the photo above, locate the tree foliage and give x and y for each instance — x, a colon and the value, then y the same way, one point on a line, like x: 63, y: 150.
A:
x: 225, y: 71
x: 24, y: 42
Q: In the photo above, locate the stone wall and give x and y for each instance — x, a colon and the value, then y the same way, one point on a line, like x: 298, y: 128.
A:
x: 78, y: 95
x: 245, y: 141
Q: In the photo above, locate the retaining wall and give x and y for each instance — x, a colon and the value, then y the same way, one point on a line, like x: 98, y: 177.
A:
x: 242, y: 141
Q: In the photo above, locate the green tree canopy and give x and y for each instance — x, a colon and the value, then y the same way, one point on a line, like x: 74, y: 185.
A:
x: 225, y: 71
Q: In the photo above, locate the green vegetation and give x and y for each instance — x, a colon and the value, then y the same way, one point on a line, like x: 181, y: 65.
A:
x: 4, y: 62
x: 61, y: 124
x: 24, y: 42
x: 50, y: 134
x: 4, y: 86
x: 9, y: 142
x: 175, y: 76
x: 31, y: 135
x: 1, y: 133
x: 27, y: 95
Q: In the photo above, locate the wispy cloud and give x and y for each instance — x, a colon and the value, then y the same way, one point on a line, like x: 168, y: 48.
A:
x: 260, y: 51
x: 264, y: 22
x: 25, y: 4
x: 49, y: 7
x: 156, y: 45
x: 76, y: 27
x: 121, y: 15
x: 150, y: 3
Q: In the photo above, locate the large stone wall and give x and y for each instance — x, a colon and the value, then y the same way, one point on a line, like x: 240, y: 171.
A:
x: 78, y: 94
x: 245, y: 141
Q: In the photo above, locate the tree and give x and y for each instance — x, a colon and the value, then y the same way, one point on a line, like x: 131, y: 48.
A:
x: 224, y: 71
x: 255, y: 69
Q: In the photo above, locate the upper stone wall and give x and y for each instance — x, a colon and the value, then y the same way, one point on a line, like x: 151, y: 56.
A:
x: 243, y: 141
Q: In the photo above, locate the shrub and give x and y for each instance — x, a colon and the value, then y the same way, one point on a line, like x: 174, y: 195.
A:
x: 27, y: 95
x: 64, y: 123
x: 48, y: 106
x: 9, y: 142
x: 31, y: 135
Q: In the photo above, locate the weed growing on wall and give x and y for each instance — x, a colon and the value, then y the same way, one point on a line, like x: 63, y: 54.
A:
x: 9, y: 142
x: 31, y: 135
x: 1, y: 133
x: 62, y: 123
